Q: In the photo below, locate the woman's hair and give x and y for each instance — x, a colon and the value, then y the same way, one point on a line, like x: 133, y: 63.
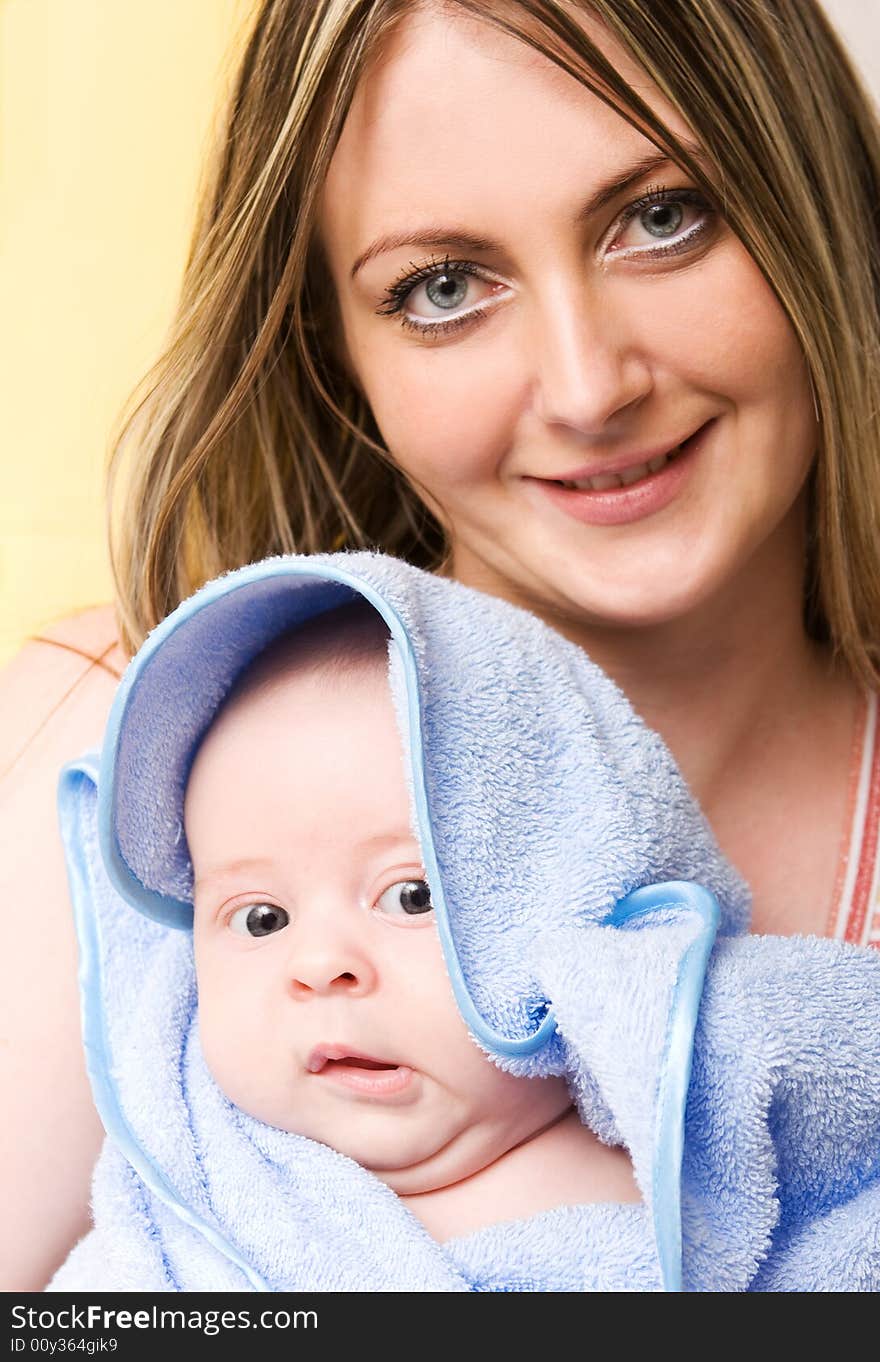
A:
x: 251, y: 438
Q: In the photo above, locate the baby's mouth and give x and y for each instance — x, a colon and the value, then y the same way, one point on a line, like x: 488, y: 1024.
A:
x: 336, y: 1056
x: 352, y: 1062
x: 363, y: 1076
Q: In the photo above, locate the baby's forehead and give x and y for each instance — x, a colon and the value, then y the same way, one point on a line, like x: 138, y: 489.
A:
x: 337, y: 662
x: 345, y: 647
x: 304, y: 760
x: 350, y: 641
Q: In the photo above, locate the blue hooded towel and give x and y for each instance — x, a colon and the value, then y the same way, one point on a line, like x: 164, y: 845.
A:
x: 591, y: 929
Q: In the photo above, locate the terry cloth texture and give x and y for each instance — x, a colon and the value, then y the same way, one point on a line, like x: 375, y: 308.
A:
x: 577, y: 891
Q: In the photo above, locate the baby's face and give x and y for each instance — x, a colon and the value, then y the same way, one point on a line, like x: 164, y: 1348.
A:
x: 315, y: 940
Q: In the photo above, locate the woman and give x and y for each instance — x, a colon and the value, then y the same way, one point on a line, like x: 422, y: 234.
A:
x: 582, y: 310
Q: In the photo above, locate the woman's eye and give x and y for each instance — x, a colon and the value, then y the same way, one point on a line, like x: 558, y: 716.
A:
x: 258, y: 919
x: 664, y: 223
x: 447, y: 291
x: 440, y: 297
x: 407, y: 898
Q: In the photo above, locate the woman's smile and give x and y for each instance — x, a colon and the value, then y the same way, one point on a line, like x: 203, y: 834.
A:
x: 624, y: 491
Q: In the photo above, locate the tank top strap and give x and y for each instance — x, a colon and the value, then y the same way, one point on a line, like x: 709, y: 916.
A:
x: 855, y: 912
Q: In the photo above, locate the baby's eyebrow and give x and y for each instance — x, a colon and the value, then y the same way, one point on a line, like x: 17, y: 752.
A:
x: 381, y: 841
x: 228, y: 869
x: 399, y: 838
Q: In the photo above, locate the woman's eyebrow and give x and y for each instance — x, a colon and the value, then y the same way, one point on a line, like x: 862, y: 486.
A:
x: 607, y: 190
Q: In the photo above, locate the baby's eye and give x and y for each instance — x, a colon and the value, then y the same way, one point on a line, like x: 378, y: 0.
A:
x: 406, y: 898
x: 258, y: 919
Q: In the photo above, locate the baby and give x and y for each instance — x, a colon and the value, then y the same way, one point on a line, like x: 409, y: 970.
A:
x: 325, y: 1007
x: 494, y: 1077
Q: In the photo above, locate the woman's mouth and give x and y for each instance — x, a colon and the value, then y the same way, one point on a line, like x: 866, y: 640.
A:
x: 604, y: 482
x: 630, y: 493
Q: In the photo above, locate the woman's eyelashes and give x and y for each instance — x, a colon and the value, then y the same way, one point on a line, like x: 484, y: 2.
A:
x: 661, y: 213
x: 402, y: 900
x: 654, y: 227
x: 444, y: 285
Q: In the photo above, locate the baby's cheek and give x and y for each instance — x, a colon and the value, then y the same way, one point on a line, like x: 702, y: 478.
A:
x: 220, y: 1033
x: 433, y: 1008
x: 244, y: 1050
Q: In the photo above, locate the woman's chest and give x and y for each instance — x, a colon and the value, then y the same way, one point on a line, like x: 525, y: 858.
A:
x: 807, y: 842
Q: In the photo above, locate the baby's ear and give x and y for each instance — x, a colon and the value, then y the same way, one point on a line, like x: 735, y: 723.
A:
x: 397, y: 682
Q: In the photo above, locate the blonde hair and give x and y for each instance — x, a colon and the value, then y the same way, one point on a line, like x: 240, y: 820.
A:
x: 251, y: 438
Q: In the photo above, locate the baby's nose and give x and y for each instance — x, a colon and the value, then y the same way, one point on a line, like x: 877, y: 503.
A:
x: 329, y: 965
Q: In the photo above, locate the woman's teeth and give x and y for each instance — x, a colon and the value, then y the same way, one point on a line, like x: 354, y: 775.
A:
x: 603, y: 482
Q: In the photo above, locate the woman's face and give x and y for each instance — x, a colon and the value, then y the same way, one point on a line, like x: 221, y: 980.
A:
x: 519, y: 324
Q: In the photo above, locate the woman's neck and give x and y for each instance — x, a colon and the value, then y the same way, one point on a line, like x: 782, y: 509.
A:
x: 722, y: 684
x: 738, y: 671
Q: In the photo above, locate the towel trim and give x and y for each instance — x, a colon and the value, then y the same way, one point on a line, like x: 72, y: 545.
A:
x: 675, y: 1068
x: 75, y: 777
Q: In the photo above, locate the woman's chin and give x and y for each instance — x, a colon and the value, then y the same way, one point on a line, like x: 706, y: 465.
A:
x: 663, y: 583
x: 655, y: 600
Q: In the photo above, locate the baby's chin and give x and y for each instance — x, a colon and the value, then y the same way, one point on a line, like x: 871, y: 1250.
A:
x: 411, y: 1167
x: 410, y: 1151
x: 427, y: 1175
x: 404, y: 1165
x: 413, y: 1150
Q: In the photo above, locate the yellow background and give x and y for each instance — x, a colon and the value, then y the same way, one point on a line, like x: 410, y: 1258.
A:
x: 105, y: 112
x: 106, y: 109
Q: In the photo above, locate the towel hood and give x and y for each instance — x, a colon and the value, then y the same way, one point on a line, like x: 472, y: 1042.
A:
x: 548, y: 814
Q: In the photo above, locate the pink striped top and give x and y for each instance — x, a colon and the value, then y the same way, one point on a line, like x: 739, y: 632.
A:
x: 855, y: 911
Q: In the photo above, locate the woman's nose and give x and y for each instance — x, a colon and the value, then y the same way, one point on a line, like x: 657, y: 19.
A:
x: 326, y: 959
x: 590, y: 371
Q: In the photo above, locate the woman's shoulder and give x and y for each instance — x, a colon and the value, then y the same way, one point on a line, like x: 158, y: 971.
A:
x: 56, y: 691
x: 55, y: 695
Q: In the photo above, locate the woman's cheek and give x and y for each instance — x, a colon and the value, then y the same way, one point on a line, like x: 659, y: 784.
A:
x: 444, y: 414
x: 747, y: 343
